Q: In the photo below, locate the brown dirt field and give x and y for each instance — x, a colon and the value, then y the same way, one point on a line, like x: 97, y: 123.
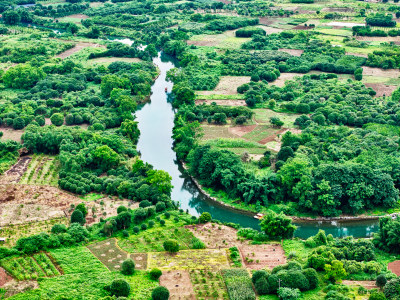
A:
x: 227, y: 85
x: 20, y: 203
x: 269, y: 21
x: 78, y: 16
x: 79, y: 46
x: 337, y: 9
x: 14, y: 174
x: 109, y: 60
x: 219, y: 236
x: 14, y: 287
x: 241, y: 130
x: 4, y: 277
x: 392, y: 73
x: 280, y: 81
x: 112, y: 256
x: 11, y: 134
x: 381, y: 89
x: 378, y: 38
x: 257, y: 257
x: 357, y: 54
x: 223, y: 102
x: 294, y: 52
x: 369, y: 285
x: 179, y: 284
x: 302, y: 27
x: 394, y: 266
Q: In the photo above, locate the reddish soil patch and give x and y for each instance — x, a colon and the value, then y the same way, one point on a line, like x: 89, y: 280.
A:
x: 215, y: 237
x: 381, y: 89
x: 391, y: 73
x: 179, y: 285
x: 14, y: 174
x: 78, y: 47
x: 394, y: 266
x: 294, y: 52
x: 302, y: 27
x: 257, y: 257
x: 365, y: 283
x: 11, y: 134
x: 337, y: 9
x: 267, y: 21
x: 223, y: 102
x: 4, y: 277
x: 241, y: 130
x: 357, y: 54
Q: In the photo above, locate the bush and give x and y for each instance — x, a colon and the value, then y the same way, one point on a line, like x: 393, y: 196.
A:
x: 381, y: 280
x: 160, y: 206
x: 58, y: 228
x: 128, y: 267
x: 162, y: 222
x: 151, y: 224
x: 57, y: 119
x: 155, y: 274
x: 377, y: 296
x: 121, y: 208
x: 136, y: 229
x: 145, y: 203
x: 171, y: 246
x: 197, y: 244
x: 259, y: 274
x: 77, y: 217
x: 312, y: 277
x: 160, y: 293
x: 205, y: 217
x: 120, y: 288
x: 288, y: 293
x: 125, y: 233
x: 143, y: 227
x: 262, y: 286
x: 167, y: 215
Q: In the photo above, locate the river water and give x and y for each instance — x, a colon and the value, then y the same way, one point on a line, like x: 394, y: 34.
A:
x: 156, y: 120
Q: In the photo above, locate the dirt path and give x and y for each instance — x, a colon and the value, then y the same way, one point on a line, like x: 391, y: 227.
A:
x: 365, y: 283
x: 79, y: 46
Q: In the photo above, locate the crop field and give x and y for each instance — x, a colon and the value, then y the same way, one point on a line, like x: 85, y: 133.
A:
x: 208, y: 284
x: 226, y: 40
x: 42, y: 170
x: 152, y: 239
x: 238, y: 284
x: 14, y: 232
x: 189, y: 259
x: 30, y: 267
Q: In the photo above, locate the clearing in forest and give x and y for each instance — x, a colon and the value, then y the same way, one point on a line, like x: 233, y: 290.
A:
x: 79, y: 46
x: 11, y: 134
x: 227, y: 85
x: 189, y: 260
x: 42, y: 170
x: 225, y: 40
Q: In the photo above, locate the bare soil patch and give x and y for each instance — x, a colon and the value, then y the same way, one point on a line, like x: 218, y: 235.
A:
x: 394, y: 266
x: 378, y: 38
x: 223, y: 102
x: 337, y: 9
x: 178, y: 283
x: 14, y: 287
x: 357, y: 54
x: 11, y: 134
x: 294, y: 52
x: 105, y: 207
x: 112, y: 256
x: 392, y: 73
x: 381, y: 89
x: 241, y: 130
x: 14, y: 174
x: 79, y: 46
x: 227, y: 85
x: 78, y: 16
x: 4, y: 277
x: 257, y: 257
x: 302, y: 27
x: 215, y: 237
x: 109, y: 60
x: 280, y: 81
x: 21, y: 203
x: 213, y: 40
x: 269, y: 21
x: 365, y: 283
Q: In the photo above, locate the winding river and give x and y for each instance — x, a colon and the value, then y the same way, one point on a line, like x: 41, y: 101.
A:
x: 156, y: 120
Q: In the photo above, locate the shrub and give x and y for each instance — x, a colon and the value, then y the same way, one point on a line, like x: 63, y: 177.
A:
x: 167, y: 215
x: 121, y: 208
x: 57, y: 119
x: 205, y: 217
x: 392, y: 288
x: 162, y: 222
x: 155, y: 274
x: 120, y: 288
x: 171, y: 246
x: 145, y: 203
x: 197, y: 244
x: 377, y: 296
x: 143, y: 226
x: 136, y: 229
x: 288, y: 293
x: 128, y: 267
x: 77, y: 217
x: 160, y: 206
x: 381, y: 280
x: 259, y: 274
x: 312, y: 277
x: 160, y: 293
x: 125, y: 233
x: 262, y: 286
x: 58, y: 228
x: 151, y: 224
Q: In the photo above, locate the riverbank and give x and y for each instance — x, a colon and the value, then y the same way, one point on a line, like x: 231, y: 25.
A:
x: 253, y: 212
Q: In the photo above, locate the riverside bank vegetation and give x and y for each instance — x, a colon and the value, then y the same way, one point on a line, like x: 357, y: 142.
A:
x: 281, y: 108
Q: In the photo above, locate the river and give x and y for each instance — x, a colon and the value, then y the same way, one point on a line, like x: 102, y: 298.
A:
x: 156, y: 120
